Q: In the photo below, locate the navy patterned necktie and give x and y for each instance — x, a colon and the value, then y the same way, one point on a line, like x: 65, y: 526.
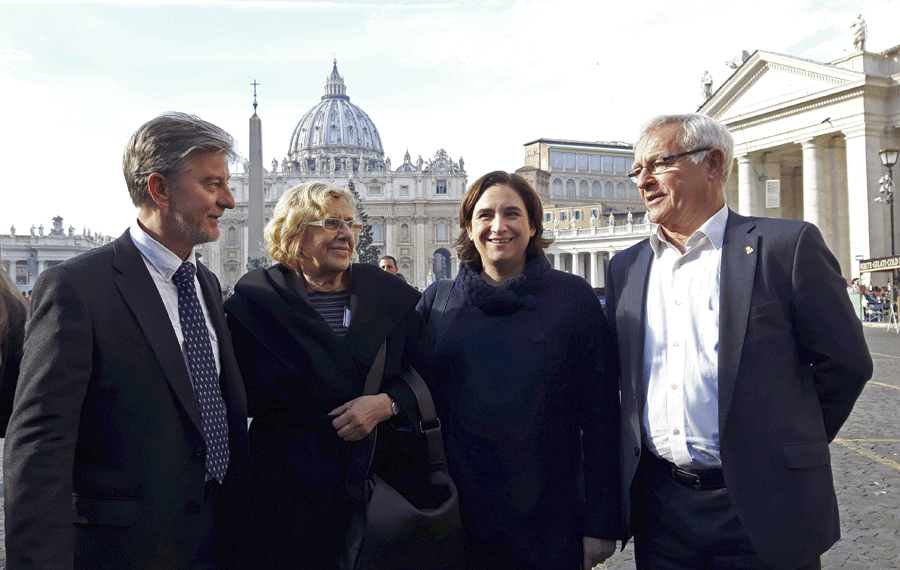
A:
x: 203, y: 372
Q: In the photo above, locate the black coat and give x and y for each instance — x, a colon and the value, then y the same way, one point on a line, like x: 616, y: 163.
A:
x: 104, y: 461
x: 298, y: 370
x: 518, y: 385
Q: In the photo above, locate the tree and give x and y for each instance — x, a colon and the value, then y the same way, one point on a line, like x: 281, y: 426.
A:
x: 365, y: 249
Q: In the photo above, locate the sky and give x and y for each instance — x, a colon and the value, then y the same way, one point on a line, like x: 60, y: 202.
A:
x: 479, y: 79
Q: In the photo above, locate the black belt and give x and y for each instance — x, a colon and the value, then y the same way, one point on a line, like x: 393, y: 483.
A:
x: 695, y: 478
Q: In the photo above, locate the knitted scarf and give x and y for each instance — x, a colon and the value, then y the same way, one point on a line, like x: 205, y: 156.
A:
x: 510, y: 296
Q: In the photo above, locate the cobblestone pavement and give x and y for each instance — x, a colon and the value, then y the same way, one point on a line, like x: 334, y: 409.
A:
x: 866, y: 467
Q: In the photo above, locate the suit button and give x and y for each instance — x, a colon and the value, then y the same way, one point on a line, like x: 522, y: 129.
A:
x: 194, y: 507
x: 637, y: 451
x: 199, y: 452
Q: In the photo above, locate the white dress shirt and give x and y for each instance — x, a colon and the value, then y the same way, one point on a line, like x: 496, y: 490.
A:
x: 681, y: 347
x: 162, y: 264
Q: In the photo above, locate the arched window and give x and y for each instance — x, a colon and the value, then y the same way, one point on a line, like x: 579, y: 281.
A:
x: 404, y: 232
x: 608, y: 190
x: 376, y: 233
x: 557, y: 187
x: 633, y: 191
x: 232, y: 235
x: 583, y: 189
x: 595, y: 189
x: 620, y: 190
x: 570, y: 187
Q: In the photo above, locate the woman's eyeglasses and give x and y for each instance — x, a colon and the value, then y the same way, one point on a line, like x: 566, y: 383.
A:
x: 336, y: 224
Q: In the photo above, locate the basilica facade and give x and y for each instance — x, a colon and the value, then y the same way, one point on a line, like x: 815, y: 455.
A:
x: 413, y: 209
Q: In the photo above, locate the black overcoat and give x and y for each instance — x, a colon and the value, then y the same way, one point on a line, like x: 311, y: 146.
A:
x: 298, y: 370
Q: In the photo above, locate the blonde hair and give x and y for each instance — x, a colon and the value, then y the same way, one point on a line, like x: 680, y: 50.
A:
x: 303, y: 203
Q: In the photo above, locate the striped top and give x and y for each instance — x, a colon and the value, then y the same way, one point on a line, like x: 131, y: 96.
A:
x: 332, y: 306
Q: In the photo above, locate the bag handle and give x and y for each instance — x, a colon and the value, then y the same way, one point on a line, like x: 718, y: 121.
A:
x: 361, y: 462
x: 429, y: 424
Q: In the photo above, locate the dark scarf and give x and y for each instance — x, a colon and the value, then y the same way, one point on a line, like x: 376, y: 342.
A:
x: 510, y: 296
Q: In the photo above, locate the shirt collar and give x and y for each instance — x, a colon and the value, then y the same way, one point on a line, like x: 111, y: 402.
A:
x: 159, y: 256
x: 712, y: 229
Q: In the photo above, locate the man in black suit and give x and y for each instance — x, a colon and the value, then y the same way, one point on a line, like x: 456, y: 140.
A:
x: 741, y: 358
x: 127, y: 445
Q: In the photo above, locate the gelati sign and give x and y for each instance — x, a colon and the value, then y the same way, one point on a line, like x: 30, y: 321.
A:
x: 879, y: 264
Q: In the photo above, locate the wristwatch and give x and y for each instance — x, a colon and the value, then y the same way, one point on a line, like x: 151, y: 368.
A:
x: 395, y: 407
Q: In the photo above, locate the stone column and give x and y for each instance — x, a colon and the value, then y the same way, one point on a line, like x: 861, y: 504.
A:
x: 812, y: 183
x: 595, y: 278
x: 748, y: 200
x: 557, y: 261
x: 868, y: 223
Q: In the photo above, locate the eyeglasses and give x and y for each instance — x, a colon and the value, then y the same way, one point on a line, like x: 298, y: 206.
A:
x: 336, y: 224
x: 661, y: 165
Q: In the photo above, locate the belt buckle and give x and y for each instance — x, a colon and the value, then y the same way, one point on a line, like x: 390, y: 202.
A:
x: 682, y: 476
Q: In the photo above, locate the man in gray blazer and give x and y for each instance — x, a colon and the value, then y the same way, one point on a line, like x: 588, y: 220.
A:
x: 127, y: 445
x: 741, y: 358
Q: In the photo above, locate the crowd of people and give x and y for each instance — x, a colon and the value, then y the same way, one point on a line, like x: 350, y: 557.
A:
x: 692, y: 413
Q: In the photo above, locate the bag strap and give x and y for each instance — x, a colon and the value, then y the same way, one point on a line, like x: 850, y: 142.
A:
x: 439, y: 307
x: 373, y: 380
x: 429, y: 424
x: 361, y: 461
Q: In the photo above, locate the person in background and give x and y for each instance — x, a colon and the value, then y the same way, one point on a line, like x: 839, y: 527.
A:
x: 13, y: 313
x: 127, y: 444
x: 306, y: 332
x: 527, y: 386
x: 741, y: 358
x: 389, y: 264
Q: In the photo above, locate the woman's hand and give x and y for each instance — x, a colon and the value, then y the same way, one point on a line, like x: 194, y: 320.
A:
x: 597, y: 550
x: 357, y: 418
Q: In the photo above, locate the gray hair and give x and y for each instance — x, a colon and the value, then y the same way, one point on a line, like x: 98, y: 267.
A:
x: 161, y: 146
x: 697, y: 131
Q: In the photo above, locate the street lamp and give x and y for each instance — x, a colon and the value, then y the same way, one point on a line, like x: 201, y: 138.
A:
x: 889, y: 159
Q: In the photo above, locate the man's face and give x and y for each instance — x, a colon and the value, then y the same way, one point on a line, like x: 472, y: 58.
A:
x: 684, y: 195
x: 388, y: 265
x: 200, y: 196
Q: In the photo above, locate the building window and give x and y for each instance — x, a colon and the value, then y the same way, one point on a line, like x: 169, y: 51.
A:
x: 582, y: 162
x: 607, y: 164
x: 374, y: 190
x: 595, y: 213
x: 21, y: 273
x: 583, y: 189
x: 620, y: 190
x: 404, y: 190
x: 556, y: 160
x: 577, y: 215
x: 404, y: 232
x: 569, y: 160
x: 441, y: 187
x: 633, y: 191
x: 376, y: 233
x: 442, y: 232
x: 595, y: 163
x: 232, y: 235
x: 557, y: 187
x: 570, y: 187
x: 608, y: 190
x: 548, y: 217
x: 595, y: 189
x: 564, y: 216
x: 621, y: 165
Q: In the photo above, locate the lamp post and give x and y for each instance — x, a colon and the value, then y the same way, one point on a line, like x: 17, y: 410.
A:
x: 889, y: 159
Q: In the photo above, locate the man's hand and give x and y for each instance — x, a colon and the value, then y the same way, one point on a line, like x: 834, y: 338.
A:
x: 596, y: 551
x: 357, y: 418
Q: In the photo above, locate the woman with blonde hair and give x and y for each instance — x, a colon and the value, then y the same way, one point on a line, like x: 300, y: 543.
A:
x: 306, y: 332
x: 13, y: 313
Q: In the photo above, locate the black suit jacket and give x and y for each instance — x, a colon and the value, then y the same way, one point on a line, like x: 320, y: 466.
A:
x: 104, y: 459
x: 792, y: 361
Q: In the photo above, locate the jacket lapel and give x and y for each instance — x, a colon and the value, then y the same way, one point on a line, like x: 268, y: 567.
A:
x: 633, y: 301
x: 142, y: 297
x: 740, y: 250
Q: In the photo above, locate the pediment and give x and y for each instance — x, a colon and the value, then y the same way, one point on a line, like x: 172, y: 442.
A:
x: 770, y: 81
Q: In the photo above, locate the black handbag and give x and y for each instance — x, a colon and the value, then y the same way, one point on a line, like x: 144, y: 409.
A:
x: 395, y: 530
